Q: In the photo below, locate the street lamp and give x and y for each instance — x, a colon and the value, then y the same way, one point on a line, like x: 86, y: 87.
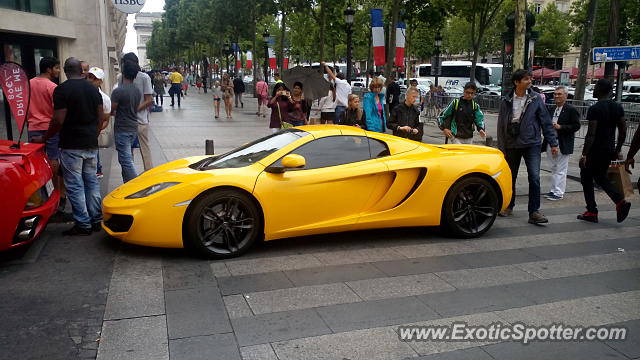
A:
x: 265, y: 37
x: 348, y: 19
x: 437, y: 67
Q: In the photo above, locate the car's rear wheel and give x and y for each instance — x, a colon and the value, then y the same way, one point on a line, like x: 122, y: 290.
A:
x: 223, y: 224
x: 470, y: 208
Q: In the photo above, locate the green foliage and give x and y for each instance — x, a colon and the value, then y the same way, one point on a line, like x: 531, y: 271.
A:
x: 629, y: 22
x: 554, y: 32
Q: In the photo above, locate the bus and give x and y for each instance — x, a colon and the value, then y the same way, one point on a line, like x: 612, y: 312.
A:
x: 456, y: 73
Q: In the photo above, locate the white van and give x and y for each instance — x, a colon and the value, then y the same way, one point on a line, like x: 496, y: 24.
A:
x: 631, y: 87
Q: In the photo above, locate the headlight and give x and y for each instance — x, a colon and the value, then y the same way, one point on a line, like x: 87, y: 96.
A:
x: 151, y: 190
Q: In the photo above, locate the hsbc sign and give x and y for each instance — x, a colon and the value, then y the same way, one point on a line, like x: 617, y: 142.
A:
x: 129, y: 6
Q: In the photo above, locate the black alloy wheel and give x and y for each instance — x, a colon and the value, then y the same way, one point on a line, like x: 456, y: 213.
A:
x: 223, y: 224
x: 471, y: 207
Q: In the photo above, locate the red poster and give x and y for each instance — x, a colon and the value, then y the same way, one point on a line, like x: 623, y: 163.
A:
x: 15, y: 86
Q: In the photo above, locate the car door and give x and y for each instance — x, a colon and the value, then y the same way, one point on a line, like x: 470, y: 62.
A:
x: 328, y: 194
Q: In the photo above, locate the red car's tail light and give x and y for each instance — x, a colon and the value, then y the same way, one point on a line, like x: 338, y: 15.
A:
x: 37, y: 199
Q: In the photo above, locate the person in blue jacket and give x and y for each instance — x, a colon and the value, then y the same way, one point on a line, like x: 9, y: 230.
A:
x: 374, y: 107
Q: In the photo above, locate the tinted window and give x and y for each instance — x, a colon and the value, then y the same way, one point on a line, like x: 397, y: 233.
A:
x: 251, y: 152
x: 332, y: 151
x: 378, y: 148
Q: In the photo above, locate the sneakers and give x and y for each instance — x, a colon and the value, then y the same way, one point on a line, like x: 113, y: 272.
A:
x: 506, y: 212
x: 99, y: 175
x: 622, y: 210
x: 553, y: 197
x: 548, y: 194
x: 77, y: 231
x: 588, y: 216
x: 536, y: 217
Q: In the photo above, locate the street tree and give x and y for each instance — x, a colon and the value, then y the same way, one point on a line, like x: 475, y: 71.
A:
x: 554, y: 32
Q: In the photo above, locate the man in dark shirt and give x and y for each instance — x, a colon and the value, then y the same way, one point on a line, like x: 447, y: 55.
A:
x: 393, y: 93
x: 77, y: 117
x: 405, y: 118
x: 599, y: 149
x: 125, y: 104
x: 238, y: 90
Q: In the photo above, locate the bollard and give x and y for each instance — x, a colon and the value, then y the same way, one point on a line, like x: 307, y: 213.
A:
x: 208, y: 147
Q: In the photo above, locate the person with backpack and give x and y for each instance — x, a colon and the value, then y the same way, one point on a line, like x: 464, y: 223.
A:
x: 458, y: 119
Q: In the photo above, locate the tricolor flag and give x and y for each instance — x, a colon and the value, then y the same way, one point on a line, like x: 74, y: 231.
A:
x: 249, y: 60
x: 272, y: 59
x: 400, y: 37
x: 377, y: 32
x: 285, y: 64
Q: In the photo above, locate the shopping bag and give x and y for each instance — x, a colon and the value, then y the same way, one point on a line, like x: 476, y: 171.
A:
x: 105, y: 138
x: 619, y: 178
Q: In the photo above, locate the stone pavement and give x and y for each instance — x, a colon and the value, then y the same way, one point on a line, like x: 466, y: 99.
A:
x: 343, y: 296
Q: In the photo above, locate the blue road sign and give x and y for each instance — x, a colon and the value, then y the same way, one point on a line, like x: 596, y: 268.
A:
x: 616, y: 53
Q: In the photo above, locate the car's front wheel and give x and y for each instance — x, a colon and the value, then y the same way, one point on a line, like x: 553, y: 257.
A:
x: 470, y: 208
x: 223, y: 224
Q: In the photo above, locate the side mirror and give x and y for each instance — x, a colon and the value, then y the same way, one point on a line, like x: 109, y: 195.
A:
x: 291, y: 161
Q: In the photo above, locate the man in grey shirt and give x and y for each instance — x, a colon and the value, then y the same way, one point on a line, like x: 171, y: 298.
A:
x: 125, y: 104
x: 142, y: 82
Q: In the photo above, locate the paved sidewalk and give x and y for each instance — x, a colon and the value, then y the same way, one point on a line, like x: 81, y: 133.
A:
x: 343, y: 296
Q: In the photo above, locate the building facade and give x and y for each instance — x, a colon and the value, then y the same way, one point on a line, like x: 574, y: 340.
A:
x: 93, y: 31
x: 144, y: 27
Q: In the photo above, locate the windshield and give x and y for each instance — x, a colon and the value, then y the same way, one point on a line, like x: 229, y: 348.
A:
x: 252, y: 152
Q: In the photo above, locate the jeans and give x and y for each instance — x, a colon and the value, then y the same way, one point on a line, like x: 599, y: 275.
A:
x: 238, y: 99
x: 296, y: 122
x: 532, y: 158
x: 124, y: 140
x: 51, y: 145
x: 595, y: 169
x: 340, y: 110
x: 175, y: 89
x: 83, y: 188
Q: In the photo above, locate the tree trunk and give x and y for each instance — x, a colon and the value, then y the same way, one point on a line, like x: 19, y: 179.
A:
x: 585, y: 50
x: 391, y: 55
x: 323, y: 22
x: 612, y: 40
x: 519, y: 39
x: 282, y: 39
x: 474, y: 44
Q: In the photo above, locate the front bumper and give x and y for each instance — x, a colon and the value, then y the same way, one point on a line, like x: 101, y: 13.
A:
x: 155, y: 221
x: 32, y: 223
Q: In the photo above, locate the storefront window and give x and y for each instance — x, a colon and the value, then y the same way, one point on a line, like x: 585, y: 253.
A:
x: 12, y: 53
x: 44, y: 7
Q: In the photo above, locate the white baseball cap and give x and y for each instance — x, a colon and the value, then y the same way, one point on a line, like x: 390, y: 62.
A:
x: 97, y: 72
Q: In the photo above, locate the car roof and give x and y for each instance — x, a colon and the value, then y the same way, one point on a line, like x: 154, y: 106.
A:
x: 396, y: 144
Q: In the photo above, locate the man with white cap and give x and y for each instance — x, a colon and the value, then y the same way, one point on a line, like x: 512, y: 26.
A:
x: 95, y: 75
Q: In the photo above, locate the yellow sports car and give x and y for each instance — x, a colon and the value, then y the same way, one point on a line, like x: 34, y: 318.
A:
x: 309, y: 180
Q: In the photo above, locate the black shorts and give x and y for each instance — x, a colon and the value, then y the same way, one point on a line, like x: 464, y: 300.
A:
x: 328, y: 116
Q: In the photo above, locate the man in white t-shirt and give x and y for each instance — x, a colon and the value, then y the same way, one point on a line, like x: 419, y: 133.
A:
x: 143, y: 83
x: 95, y: 75
x: 343, y: 89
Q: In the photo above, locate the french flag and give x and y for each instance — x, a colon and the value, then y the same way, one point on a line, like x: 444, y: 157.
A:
x: 400, y: 38
x: 377, y: 32
x: 249, y: 60
x: 272, y: 59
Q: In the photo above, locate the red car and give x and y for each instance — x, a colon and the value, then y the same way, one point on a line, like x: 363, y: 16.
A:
x: 27, y: 196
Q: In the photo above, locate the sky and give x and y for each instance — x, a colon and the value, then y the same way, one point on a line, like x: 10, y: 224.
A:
x: 130, y: 43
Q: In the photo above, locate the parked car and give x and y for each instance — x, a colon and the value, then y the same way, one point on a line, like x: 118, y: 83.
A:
x: 333, y: 178
x: 26, y: 193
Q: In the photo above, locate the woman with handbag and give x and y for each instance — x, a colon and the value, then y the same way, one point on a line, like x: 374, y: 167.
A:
x: 281, y: 104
